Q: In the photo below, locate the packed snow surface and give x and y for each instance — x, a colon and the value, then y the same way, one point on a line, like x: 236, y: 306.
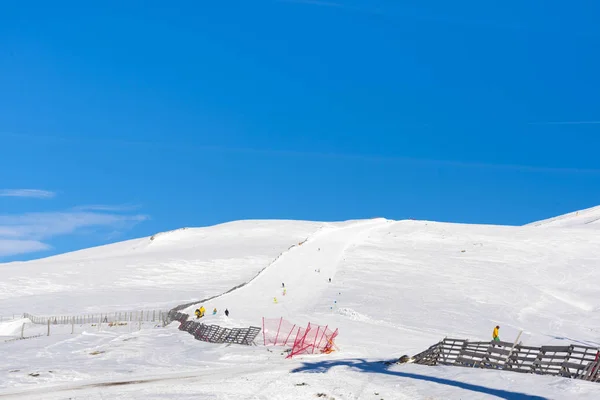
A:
x: 396, y: 288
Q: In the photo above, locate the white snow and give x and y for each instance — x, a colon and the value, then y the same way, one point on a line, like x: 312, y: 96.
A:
x: 588, y: 218
x: 13, y: 327
x: 173, y: 268
x: 397, y: 287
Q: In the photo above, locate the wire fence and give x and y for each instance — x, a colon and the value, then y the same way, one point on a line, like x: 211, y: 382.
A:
x: 113, y: 317
x: 118, y: 322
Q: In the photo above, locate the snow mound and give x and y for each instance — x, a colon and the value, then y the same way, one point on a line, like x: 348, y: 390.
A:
x: 13, y: 328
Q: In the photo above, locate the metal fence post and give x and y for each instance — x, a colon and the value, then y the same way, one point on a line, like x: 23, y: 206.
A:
x: 48, y: 326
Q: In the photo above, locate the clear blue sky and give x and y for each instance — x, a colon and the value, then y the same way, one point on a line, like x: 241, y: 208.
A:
x: 143, y: 116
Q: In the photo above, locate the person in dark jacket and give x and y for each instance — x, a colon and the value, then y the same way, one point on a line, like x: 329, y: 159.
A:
x: 226, y: 312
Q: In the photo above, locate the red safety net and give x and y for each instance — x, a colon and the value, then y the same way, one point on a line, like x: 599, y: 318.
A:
x: 279, y: 332
x: 314, y: 339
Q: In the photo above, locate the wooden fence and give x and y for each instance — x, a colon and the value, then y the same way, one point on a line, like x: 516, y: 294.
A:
x: 214, y: 333
x: 573, y: 361
x: 102, y: 318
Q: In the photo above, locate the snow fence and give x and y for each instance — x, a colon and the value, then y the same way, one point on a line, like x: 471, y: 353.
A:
x: 215, y: 333
x: 573, y: 361
x: 102, y: 318
x: 314, y: 339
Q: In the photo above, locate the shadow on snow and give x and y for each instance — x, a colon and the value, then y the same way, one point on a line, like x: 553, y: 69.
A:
x: 380, y: 367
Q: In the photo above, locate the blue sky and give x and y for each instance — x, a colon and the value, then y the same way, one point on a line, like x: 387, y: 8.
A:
x: 126, y: 120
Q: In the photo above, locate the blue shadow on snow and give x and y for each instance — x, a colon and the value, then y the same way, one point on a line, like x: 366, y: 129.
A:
x: 380, y: 367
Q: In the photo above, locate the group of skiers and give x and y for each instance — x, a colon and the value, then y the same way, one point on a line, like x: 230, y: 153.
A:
x: 200, y: 312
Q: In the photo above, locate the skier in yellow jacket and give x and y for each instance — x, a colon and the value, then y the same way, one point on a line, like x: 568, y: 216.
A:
x: 495, y: 334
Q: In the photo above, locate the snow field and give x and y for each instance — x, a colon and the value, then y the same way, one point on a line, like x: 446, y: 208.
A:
x: 397, y: 288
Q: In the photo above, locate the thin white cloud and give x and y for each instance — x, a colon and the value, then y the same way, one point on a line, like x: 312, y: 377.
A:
x: 32, y: 193
x: 24, y: 233
x: 103, y: 207
x: 47, y: 224
x: 9, y: 247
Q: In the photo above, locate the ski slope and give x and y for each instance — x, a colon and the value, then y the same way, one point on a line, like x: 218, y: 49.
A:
x: 396, y: 288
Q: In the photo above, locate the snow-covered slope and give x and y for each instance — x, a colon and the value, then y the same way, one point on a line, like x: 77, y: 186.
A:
x: 588, y: 218
x: 161, y: 271
x: 396, y: 288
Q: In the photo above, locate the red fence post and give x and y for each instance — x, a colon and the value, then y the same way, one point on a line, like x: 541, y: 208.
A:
x: 320, y: 340
x: 315, y: 341
x: 299, y: 339
x: 290, y: 334
x: 278, y: 328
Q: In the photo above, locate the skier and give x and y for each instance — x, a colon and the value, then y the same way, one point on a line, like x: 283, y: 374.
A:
x: 284, y: 291
x: 215, y: 311
x: 282, y: 284
x: 202, y: 311
x: 329, y: 280
x: 495, y: 333
x: 226, y: 312
x: 275, y: 300
x: 198, y: 313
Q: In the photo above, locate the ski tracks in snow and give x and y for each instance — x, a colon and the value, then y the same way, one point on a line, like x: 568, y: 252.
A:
x: 305, y: 270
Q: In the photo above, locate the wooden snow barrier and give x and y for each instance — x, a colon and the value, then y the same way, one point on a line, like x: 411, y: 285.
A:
x: 572, y: 361
x: 215, y: 333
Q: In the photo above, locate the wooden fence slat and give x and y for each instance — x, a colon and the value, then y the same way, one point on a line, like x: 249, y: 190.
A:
x: 573, y: 361
x: 556, y: 349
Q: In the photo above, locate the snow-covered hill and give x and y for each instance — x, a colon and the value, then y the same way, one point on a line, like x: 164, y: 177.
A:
x: 396, y: 288
x: 588, y: 218
x: 161, y: 271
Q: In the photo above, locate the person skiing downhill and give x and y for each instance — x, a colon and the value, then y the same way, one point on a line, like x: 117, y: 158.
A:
x: 226, y: 312
x: 495, y: 334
